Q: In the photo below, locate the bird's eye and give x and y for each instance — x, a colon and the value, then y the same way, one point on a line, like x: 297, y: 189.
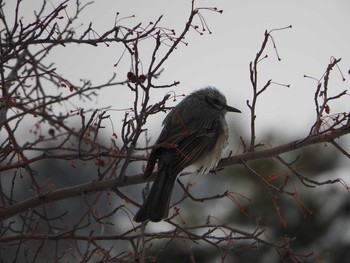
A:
x: 216, y: 101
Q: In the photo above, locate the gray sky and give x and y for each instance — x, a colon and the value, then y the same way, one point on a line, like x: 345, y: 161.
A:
x: 320, y: 31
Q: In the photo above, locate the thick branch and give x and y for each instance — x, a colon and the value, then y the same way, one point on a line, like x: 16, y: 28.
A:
x: 83, y: 189
x: 284, y: 148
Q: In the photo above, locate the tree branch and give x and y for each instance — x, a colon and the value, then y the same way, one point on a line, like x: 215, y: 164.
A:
x: 91, y: 187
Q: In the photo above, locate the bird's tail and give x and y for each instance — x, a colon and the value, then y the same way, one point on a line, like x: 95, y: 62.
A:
x: 156, y: 205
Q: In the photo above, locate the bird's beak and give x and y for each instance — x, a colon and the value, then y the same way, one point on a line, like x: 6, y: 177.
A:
x: 232, y: 109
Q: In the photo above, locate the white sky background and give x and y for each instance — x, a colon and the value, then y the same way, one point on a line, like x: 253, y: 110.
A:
x: 320, y: 30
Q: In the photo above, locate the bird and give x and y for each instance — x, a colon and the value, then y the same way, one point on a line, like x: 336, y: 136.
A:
x: 195, y: 132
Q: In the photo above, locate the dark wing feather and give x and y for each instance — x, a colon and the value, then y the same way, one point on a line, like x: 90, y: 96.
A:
x: 191, y: 147
x: 184, y: 139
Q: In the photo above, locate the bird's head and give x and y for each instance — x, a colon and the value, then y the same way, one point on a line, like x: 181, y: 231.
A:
x: 215, y: 99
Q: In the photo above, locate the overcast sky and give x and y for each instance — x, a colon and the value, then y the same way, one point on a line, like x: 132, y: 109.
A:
x: 320, y: 30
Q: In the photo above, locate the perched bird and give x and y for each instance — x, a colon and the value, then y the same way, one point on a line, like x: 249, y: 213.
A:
x: 195, y: 132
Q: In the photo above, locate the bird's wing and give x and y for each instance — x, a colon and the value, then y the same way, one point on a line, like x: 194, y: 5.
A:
x: 183, y: 148
x: 186, y: 135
